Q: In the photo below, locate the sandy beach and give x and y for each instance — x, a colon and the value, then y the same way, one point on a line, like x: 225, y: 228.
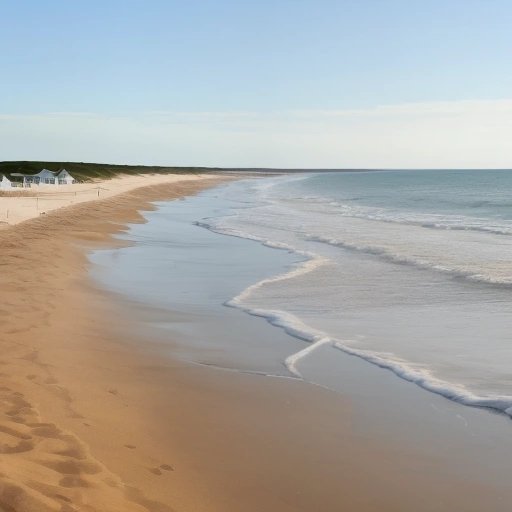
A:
x: 18, y: 205
x: 92, y: 418
x: 42, y: 260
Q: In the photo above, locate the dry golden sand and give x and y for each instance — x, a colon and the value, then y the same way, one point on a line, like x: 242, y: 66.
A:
x: 20, y: 204
x: 44, y: 314
x: 94, y: 419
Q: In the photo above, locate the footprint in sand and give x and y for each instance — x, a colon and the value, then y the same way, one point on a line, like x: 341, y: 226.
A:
x: 54, y: 470
x: 158, y: 471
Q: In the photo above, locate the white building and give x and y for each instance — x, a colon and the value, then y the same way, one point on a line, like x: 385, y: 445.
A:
x: 46, y: 177
x: 5, y: 183
x: 64, y: 178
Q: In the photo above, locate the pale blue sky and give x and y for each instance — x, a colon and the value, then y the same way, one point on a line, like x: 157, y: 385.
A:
x: 122, y: 60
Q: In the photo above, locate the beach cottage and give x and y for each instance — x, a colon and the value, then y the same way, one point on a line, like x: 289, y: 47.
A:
x: 5, y: 182
x: 46, y: 177
x: 64, y: 178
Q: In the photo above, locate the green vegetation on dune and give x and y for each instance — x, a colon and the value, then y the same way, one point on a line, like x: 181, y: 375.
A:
x: 88, y: 171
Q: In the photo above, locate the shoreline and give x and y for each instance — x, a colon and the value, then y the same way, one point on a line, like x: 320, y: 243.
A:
x: 93, y: 417
x: 48, y: 314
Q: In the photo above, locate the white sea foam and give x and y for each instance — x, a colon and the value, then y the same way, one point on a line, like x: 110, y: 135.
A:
x: 426, y: 380
x: 482, y: 276
x: 403, y: 369
x: 313, y: 262
x: 297, y: 328
x: 272, y: 220
x: 448, y: 222
x: 292, y: 361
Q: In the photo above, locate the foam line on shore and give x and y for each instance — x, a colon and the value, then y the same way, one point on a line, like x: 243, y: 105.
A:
x: 424, y: 379
x: 298, y: 329
x: 433, y: 221
x: 403, y: 369
x: 291, y: 362
x: 398, y: 259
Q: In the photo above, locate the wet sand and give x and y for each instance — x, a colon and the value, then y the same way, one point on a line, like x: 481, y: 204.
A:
x: 94, y: 418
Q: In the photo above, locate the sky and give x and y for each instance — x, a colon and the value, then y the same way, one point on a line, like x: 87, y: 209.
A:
x: 307, y: 84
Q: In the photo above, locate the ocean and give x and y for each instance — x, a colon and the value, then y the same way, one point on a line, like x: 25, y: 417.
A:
x: 407, y: 270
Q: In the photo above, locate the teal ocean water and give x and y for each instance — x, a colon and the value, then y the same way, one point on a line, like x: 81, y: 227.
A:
x: 407, y: 270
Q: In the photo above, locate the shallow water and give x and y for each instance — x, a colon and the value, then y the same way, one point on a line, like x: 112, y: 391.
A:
x: 179, y: 275
x: 410, y: 271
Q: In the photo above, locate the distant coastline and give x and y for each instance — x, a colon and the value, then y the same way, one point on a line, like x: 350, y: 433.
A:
x: 87, y: 171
